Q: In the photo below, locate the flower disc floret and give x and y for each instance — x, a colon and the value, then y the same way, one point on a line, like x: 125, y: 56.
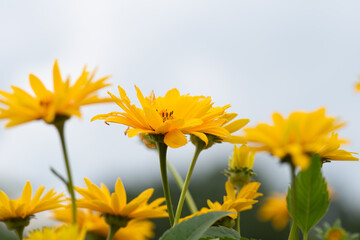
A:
x: 172, y: 116
x: 64, y: 100
x: 100, y: 199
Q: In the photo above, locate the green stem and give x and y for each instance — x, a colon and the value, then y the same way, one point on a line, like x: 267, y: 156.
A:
x: 20, y: 232
x: 113, y: 230
x: 60, y: 127
x: 199, y: 147
x: 179, y: 181
x: 305, y: 236
x: 294, y: 228
x: 162, y: 148
x: 237, y: 223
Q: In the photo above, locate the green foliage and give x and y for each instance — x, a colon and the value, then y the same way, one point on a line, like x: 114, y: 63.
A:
x: 311, y: 196
x: 193, y: 228
x: 222, y: 233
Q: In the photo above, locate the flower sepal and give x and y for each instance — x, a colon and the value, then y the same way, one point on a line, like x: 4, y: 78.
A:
x: 18, y: 224
x: 59, y: 119
x: 116, y: 220
x: 239, y: 177
x: 226, y: 221
x: 200, y: 143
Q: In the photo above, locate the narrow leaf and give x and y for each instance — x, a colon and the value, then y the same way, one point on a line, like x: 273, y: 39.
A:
x: 311, y: 196
x: 193, y: 228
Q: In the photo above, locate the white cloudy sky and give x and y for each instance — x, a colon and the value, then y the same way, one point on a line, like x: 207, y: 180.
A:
x: 259, y: 56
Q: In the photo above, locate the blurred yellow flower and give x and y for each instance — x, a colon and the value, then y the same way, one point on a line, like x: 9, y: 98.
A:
x: 330, y: 151
x: 298, y: 136
x: 275, y: 210
x: 99, y: 199
x: 62, y: 233
x: 95, y: 223
x: 335, y: 232
x: 64, y: 100
x: 172, y: 116
x: 26, y: 206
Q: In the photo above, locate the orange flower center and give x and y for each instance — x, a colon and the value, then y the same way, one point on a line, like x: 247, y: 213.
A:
x: 335, y: 235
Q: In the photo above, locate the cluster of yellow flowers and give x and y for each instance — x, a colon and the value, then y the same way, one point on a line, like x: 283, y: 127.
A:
x: 162, y: 122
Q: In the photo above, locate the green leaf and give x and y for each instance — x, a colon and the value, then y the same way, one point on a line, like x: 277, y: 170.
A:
x: 193, y: 228
x: 311, y: 196
x: 221, y: 232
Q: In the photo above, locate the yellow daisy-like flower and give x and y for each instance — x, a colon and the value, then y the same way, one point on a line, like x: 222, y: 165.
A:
x: 100, y: 199
x: 214, y: 207
x: 242, y: 157
x: 241, y: 162
x: 298, y: 136
x: 62, y: 233
x: 95, y: 223
x: 26, y: 206
x: 232, y: 202
x: 244, y: 199
x: 174, y: 115
x: 330, y: 151
x: 64, y: 100
x: 275, y: 210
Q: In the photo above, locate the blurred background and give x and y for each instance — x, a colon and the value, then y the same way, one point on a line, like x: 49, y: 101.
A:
x: 259, y: 56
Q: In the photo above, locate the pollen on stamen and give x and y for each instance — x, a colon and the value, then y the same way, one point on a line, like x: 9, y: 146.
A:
x: 166, y: 115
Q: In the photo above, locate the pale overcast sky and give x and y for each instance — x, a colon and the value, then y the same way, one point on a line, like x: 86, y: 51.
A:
x: 259, y: 56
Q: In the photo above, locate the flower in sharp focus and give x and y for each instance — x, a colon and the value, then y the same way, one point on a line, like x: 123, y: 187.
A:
x: 62, y: 233
x: 172, y: 116
x: 115, y: 204
x: 26, y: 205
x: 95, y: 223
x: 298, y: 136
x: 241, y: 162
x: 274, y: 209
x: 64, y: 100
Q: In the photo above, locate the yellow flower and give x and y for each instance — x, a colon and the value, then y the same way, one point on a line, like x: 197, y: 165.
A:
x: 99, y: 199
x: 242, y: 157
x: 300, y: 135
x: 240, y: 170
x: 331, y: 151
x: 357, y: 85
x: 26, y: 206
x: 275, y: 210
x: 64, y: 100
x: 62, y: 233
x: 335, y: 232
x: 95, y: 223
x: 172, y: 116
x: 214, y: 207
x: 242, y: 201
